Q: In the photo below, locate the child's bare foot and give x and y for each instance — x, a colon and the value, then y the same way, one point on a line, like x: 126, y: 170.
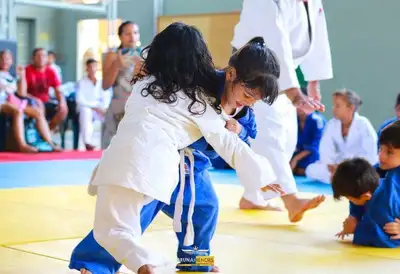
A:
x: 298, y: 207
x: 28, y: 149
x: 56, y: 148
x: 246, y: 204
x: 215, y: 269
x: 146, y: 269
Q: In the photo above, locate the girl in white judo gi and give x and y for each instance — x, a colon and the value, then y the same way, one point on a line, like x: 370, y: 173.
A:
x: 240, y: 82
x: 296, y: 31
x: 173, y: 104
x: 347, y: 135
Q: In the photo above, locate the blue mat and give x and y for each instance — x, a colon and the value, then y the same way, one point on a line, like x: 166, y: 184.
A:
x: 78, y: 172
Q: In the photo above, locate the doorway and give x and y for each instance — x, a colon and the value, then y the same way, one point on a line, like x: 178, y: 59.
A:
x: 26, y: 40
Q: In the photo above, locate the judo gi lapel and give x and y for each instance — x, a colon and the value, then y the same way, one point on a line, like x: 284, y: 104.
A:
x: 353, y: 134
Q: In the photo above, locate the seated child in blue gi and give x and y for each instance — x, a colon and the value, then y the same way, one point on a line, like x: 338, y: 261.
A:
x: 252, y: 73
x: 374, y: 201
x: 310, y: 129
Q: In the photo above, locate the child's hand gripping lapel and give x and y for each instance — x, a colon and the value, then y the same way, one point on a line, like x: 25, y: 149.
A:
x: 233, y: 126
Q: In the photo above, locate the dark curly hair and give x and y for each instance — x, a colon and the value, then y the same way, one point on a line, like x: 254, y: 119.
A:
x: 179, y: 60
x: 257, y: 67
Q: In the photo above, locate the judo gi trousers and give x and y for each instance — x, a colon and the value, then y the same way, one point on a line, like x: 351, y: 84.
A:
x: 91, y: 253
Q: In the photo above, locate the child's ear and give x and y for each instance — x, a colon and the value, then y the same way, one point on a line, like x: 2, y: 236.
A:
x: 231, y: 74
x: 366, y: 196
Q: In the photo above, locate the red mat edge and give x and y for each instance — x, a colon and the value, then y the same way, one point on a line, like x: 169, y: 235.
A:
x: 6, y: 157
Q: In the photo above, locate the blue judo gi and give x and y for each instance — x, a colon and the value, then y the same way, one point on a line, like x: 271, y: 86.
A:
x: 383, y: 208
x: 309, y: 137
x: 91, y: 256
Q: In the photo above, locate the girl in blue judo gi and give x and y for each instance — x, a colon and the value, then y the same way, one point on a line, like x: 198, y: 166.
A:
x: 374, y: 217
x: 239, y: 79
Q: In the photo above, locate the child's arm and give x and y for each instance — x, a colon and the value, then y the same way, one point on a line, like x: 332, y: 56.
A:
x: 356, y: 213
x: 393, y: 229
x: 21, y: 83
x: 254, y: 171
x: 349, y: 227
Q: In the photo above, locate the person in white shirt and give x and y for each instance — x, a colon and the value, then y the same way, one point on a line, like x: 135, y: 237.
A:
x: 296, y: 31
x: 51, y: 61
x: 347, y: 135
x: 91, y: 101
x: 171, y: 108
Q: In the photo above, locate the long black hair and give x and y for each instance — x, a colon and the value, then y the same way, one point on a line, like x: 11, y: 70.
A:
x: 179, y: 60
x: 257, y: 67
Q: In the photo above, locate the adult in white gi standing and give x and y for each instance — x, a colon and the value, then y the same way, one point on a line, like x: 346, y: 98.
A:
x: 296, y: 31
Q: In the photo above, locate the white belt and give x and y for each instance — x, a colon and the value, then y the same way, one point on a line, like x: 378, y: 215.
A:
x: 189, y: 237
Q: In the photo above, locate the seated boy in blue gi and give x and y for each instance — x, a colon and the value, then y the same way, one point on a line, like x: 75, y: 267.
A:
x: 374, y: 202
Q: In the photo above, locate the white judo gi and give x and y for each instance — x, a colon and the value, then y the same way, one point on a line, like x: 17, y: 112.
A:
x: 285, y: 28
x: 141, y: 164
x: 360, y: 142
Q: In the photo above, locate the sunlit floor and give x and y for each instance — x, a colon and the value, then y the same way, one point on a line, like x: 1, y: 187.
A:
x: 40, y: 226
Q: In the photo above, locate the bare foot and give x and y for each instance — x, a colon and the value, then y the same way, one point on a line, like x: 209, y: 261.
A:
x: 146, y: 269
x: 246, y: 204
x: 300, y: 206
x: 28, y: 149
x: 56, y: 148
x: 215, y: 269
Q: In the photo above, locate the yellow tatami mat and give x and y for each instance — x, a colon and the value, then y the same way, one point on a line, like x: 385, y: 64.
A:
x: 41, y: 226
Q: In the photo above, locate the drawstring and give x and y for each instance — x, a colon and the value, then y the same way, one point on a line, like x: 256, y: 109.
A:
x: 189, y: 237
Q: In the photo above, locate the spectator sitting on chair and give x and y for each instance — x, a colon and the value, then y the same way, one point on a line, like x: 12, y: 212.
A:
x: 16, y: 103
x: 91, y: 102
x: 40, y: 77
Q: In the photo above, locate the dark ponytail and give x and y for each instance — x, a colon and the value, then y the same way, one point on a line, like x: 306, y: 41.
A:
x: 257, y: 67
x: 258, y: 40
